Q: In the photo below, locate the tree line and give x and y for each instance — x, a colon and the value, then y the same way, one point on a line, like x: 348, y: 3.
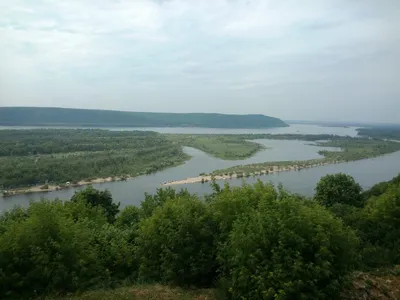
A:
x: 57, y: 156
x: 53, y: 116
x: 251, y: 242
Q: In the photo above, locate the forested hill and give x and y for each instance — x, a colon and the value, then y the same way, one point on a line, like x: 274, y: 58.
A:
x: 49, y: 116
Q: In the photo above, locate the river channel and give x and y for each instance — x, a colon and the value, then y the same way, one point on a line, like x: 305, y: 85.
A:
x: 366, y: 172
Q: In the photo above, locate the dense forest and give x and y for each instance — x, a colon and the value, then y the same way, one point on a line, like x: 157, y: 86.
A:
x: 57, y: 156
x: 388, y: 132
x: 49, y: 116
x: 46, y: 159
x: 251, y: 242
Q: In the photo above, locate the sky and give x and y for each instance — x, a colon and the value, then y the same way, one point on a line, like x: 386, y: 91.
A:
x: 333, y: 60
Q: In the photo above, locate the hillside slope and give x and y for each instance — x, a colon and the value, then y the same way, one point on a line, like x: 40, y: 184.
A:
x: 49, y: 116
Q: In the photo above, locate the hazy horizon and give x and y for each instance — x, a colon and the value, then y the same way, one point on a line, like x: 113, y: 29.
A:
x: 332, y: 60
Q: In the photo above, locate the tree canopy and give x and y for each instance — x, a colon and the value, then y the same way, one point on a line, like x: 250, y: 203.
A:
x: 250, y: 242
x: 338, y: 188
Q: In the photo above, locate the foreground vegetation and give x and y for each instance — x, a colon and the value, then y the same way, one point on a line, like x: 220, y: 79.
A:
x: 52, y: 116
x: 249, y: 242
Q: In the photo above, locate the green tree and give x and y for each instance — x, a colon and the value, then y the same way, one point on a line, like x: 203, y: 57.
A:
x: 47, y: 251
x: 338, y: 188
x: 129, y: 217
x: 175, y: 244
x: 151, y: 202
x: 288, y: 249
x: 381, y: 228
x: 116, y: 252
x: 98, y: 198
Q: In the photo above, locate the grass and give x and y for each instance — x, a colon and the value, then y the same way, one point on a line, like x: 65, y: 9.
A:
x: 367, y: 286
x: 227, y: 147
x: 146, y: 292
x: 372, y: 285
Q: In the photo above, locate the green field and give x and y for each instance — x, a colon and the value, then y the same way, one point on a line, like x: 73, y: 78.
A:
x: 228, y: 147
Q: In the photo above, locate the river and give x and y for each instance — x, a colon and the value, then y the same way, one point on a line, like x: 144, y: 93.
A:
x: 366, y: 172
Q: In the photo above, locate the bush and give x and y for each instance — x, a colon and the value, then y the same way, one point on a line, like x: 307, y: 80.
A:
x: 381, y: 227
x: 338, y: 188
x: 47, y: 251
x: 128, y: 218
x: 175, y: 245
x: 151, y: 202
x: 116, y: 253
x: 97, y: 198
x: 381, y: 187
x: 231, y: 202
x: 288, y: 249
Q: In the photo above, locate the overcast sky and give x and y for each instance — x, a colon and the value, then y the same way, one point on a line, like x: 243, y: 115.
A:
x: 304, y: 60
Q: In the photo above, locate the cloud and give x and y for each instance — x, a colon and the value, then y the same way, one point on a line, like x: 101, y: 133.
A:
x: 81, y: 53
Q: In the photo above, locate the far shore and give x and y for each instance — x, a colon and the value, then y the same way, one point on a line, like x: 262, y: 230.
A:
x: 58, y: 187
x: 268, y: 170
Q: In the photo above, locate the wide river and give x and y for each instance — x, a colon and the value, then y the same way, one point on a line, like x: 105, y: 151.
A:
x: 367, y: 172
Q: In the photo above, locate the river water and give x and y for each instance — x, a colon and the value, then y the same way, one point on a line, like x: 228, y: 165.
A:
x: 366, y: 172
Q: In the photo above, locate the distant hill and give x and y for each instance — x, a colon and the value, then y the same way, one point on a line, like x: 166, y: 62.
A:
x: 51, y: 116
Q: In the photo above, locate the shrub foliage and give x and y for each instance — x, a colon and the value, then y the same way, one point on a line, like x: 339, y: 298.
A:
x: 251, y: 242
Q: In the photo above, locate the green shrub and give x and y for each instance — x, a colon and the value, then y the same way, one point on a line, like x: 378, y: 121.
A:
x: 151, y: 202
x: 286, y: 249
x: 231, y: 202
x: 128, y: 218
x: 338, y: 188
x: 48, y: 251
x: 381, y: 227
x: 98, y: 198
x: 175, y: 245
x: 116, y: 253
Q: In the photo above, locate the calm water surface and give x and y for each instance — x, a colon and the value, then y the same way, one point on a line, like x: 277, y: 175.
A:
x: 295, y: 128
x: 366, y: 172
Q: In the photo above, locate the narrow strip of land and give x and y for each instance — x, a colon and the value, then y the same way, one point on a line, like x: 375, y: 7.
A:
x: 233, y: 175
x: 349, y: 149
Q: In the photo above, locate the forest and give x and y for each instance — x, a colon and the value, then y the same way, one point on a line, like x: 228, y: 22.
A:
x: 57, y: 156
x: 250, y: 242
x: 52, y: 116
x: 388, y: 132
x: 49, y: 158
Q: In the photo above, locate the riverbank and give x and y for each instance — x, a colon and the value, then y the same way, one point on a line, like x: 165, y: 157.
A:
x: 290, y: 166
x: 58, y: 187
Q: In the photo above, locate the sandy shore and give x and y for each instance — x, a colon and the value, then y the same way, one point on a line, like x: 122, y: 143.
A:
x: 50, y: 187
x: 269, y: 170
x: 191, y: 180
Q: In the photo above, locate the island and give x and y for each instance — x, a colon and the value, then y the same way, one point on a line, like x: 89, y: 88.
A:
x: 40, y: 160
